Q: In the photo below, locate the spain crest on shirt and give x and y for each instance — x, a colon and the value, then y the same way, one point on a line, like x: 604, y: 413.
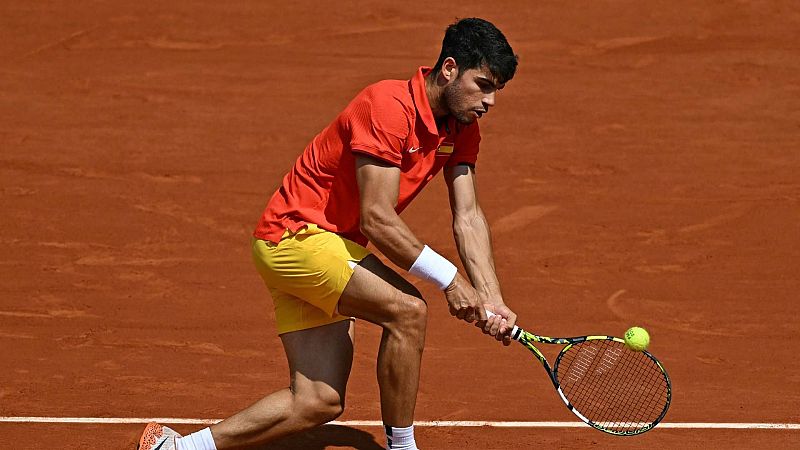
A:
x: 446, y: 148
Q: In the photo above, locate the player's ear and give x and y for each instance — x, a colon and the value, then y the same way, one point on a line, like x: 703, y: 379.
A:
x: 449, y: 69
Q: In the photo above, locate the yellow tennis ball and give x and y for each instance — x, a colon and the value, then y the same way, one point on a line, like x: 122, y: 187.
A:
x: 636, y: 338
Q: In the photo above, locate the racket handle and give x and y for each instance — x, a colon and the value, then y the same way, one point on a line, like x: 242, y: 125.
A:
x: 514, y: 331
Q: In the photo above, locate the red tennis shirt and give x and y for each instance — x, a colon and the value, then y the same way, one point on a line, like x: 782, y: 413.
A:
x: 390, y: 120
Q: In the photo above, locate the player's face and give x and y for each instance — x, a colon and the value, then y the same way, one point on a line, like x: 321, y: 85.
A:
x: 469, y: 96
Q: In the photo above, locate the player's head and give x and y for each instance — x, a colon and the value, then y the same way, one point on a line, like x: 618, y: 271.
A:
x: 476, y: 60
x: 474, y: 43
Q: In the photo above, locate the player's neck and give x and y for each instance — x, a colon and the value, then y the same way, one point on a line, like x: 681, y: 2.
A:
x: 435, y: 92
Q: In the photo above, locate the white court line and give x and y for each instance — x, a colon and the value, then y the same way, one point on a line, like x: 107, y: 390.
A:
x: 377, y: 423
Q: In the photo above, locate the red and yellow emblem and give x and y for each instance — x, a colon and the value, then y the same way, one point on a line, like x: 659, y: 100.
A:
x: 445, y: 149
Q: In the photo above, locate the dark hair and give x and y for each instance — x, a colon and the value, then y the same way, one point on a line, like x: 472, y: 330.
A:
x: 474, y: 43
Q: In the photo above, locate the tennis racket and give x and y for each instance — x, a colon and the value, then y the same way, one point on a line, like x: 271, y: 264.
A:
x: 609, y: 386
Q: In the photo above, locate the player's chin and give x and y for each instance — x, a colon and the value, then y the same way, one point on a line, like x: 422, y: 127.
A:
x: 467, y: 118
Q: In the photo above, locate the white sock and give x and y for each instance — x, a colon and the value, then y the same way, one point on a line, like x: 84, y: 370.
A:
x: 400, y: 438
x: 201, y: 440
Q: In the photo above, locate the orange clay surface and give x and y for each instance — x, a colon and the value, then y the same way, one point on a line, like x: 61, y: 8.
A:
x: 642, y: 168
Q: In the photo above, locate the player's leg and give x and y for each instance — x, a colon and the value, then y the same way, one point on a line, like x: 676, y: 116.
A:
x: 372, y: 292
x: 319, y: 365
x: 377, y: 294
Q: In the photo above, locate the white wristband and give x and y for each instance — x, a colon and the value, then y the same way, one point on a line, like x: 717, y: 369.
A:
x: 434, y: 267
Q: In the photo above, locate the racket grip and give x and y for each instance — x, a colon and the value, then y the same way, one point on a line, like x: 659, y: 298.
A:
x: 514, y: 331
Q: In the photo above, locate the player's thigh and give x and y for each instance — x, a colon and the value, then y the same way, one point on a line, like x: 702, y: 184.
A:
x: 379, y: 295
x: 306, y: 274
x: 320, y: 360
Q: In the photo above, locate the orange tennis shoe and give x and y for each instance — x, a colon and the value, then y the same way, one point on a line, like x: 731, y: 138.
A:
x: 157, y: 437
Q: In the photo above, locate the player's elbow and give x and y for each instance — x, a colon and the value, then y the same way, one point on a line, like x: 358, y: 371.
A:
x: 460, y: 226
x: 464, y: 223
x: 374, y: 221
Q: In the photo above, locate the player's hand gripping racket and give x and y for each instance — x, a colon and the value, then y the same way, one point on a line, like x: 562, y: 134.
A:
x: 606, y: 384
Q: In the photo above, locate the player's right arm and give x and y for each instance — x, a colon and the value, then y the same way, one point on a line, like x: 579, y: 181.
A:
x: 378, y: 185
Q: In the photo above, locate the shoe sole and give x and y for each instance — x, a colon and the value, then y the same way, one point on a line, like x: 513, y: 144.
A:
x: 150, y: 435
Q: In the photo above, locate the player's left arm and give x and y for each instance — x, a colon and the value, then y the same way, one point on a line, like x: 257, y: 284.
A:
x: 474, y: 243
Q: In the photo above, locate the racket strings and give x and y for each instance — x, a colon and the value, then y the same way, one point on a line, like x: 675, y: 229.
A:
x: 612, y: 386
x: 614, y: 392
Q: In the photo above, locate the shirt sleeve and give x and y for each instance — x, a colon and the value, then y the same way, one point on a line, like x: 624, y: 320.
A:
x: 466, y: 146
x: 379, y: 126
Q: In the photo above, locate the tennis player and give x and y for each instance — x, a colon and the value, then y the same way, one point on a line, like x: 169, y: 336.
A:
x: 345, y: 190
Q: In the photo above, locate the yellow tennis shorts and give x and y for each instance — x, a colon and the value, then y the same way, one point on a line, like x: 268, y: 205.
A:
x: 306, y: 274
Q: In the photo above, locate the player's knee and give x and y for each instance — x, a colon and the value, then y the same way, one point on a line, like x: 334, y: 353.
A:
x: 412, y: 318
x: 321, y: 406
x: 417, y: 312
x: 327, y: 411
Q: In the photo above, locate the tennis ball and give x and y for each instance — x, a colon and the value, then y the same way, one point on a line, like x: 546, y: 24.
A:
x: 636, y: 338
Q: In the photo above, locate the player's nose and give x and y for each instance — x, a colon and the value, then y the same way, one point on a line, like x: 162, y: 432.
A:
x: 489, y: 99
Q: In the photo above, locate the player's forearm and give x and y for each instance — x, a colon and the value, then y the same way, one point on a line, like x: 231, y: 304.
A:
x: 474, y: 242
x: 387, y: 231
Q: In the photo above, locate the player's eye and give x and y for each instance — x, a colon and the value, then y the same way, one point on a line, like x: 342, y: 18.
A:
x: 486, y: 88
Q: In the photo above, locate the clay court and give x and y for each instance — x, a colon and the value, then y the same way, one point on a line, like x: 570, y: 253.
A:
x: 641, y: 168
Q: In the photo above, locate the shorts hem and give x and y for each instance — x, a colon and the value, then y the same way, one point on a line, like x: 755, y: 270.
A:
x: 290, y: 327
